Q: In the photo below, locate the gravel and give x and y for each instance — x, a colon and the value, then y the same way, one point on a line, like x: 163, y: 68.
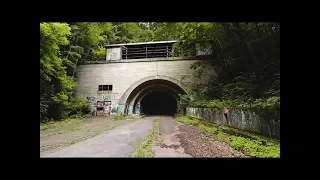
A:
x: 199, y: 144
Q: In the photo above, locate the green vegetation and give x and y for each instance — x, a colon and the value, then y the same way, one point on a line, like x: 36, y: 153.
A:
x: 145, y: 149
x: 121, y: 116
x: 244, y: 56
x: 187, y: 120
x: 208, y: 129
x: 53, y: 124
x: 64, y: 143
x: 82, y: 128
x: 252, y: 147
x: 118, y: 117
x: 158, y: 138
x: 246, y: 61
x: 63, y: 46
x: 251, y: 144
x: 273, y: 102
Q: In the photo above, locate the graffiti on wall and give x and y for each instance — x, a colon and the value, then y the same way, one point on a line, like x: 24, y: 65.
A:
x: 130, y: 109
x: 100, y: 108
x: 113, y: 110
x: 137, y: 109
x: 108, y: 101
x: 103, y: 108
x: 113, y: 53
x: 91, y: 98
x: 107, y: 108
x: 120, y: 108
x: 108, y: 97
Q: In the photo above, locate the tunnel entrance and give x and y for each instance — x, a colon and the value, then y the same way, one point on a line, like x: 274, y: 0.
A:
x: 159, y: 103
x: 153, y: 96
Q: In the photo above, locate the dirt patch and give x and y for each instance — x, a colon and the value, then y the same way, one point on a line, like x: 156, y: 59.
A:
x: 198, y: 144
x: 171, y: 146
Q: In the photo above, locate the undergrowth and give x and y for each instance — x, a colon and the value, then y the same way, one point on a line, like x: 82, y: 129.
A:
x: 118, y: 117
x: 207, y: 129
x: 71, y: 120
x: 187, y: 120
x: 261, y: 104
x: 250, y: 144
x: 145, y: 149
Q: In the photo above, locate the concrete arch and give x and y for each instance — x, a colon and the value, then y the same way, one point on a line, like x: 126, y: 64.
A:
x: 139, y: 96
x: 134, y: 91
x: 149, y: 88
x: 124, y: 97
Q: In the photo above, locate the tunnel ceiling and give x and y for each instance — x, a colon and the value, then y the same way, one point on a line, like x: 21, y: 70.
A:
x: 156, y: 87
x: 161, y: 85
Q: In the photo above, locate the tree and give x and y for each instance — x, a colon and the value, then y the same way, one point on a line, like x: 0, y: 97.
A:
x: 167, y: 31
x: 246, y: 57
x: 126, y: 33
x: 55, y: 85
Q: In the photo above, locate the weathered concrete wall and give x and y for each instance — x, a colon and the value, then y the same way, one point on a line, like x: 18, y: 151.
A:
x: 263, y: 123
x: 123, y: 75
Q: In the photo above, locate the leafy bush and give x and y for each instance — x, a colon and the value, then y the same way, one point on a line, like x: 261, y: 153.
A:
x: 255, y: 148
x: 207, y: 129
x: 76, y: 108
x: 270, y: 103
x: 188, y: 120
x: 251, y: 144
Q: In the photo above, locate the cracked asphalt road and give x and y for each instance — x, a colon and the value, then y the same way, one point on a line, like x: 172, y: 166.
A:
x: 118, y: 142
x: 178, y: 140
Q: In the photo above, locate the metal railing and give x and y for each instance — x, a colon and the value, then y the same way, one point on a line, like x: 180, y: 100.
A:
x: 147, y: 52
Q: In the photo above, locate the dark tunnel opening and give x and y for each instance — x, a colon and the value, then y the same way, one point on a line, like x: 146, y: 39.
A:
x: 159, y: 103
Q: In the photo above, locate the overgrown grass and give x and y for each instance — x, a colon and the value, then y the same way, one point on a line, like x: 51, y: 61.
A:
x: 118, y: 117
x: 134, y: 118
x: 145, y: 149
x: 188, y: 120
x: 53, y: 124
x: 83, y: 128
x: 262, y: 104
x: 250, y: 144
x: 66, y: 143
x: 207, y: 129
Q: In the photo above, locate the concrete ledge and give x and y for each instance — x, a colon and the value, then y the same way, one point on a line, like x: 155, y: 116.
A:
x: 138, y: 60
x: 265, y: 124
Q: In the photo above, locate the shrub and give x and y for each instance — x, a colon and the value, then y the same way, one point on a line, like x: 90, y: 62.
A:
x: 78, y: 107
x: 208, y: 129
x: 188, y: 120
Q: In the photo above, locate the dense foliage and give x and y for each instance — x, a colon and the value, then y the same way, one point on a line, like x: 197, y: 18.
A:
x: 249, y: 143
x: 246, y: 58
x: 64, y: 46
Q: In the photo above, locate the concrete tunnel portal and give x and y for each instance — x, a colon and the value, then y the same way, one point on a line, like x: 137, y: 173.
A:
x: 159, y: 102
x: 154, y: 97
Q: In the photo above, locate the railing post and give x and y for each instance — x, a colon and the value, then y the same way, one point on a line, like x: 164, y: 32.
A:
x: 126, y: 53
x: 146, y: 51
x: 167, y: 51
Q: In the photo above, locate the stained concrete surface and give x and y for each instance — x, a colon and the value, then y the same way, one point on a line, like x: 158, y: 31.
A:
x: 118, y: 142
x: 170, y: 146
